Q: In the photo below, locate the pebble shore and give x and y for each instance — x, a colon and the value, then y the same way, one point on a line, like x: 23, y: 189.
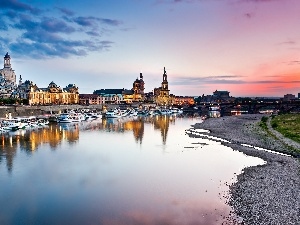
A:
x: 268, y: 194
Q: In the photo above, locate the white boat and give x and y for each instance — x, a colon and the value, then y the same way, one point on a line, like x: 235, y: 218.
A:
x: 70, y: 117
x: 3, y: 130
x: 125, y: 112
x: 154, y: 112
x: 41, y: 122
x: 165, y: 111
x: 12, y: 124
x: 113, y: 114
x: 64, y: 118
x: 214, y: 108
x: 88, y: 116
x: 133, y: 113
x: 27, y: 122
x: 176, y: 111
x: 92, y: 116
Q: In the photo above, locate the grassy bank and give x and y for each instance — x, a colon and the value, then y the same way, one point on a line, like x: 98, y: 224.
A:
x: 263, y: 123
x: 288, y: 125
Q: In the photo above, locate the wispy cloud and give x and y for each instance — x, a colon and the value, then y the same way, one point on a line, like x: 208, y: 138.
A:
x: 65, y: 11
x: 294, y: 62
x: 249, y: 15
x: 16, y: 5
x: 220, y: 79
x: 258, y: 0
x: 93, y: 22
x: 194, y: 1
x: 43, y: 36
x: 228, y: 79
x: 274, y: 82
x: 290, y: 42
x: 178, y: 1
x: 55, y: 25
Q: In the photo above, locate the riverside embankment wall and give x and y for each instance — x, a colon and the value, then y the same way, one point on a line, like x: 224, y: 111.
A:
x: 25, y: 110
x: 41, y: 110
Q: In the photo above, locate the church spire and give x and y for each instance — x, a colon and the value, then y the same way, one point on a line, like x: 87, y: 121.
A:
x: 20, y: 80
x: 165, y: 75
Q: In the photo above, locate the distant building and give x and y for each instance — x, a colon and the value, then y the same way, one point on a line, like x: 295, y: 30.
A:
x: 110, y: 96
x: 221, y: 96
x: 289, y: 97
x: 22, y: 90
x: 207, y: 98
x: 53, y: 94
x: 183, y: 100
x: 149, y: 97
x: 90, y: 99
x: 128, y: 96
x: 217, y: 97
x: 298, y: 95
x: 117, y: 96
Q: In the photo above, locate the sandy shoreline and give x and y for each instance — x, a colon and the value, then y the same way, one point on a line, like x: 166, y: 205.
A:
x: 267, y: 194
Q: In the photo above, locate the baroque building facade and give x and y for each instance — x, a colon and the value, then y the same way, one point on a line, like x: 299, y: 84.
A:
x: 53, y: 94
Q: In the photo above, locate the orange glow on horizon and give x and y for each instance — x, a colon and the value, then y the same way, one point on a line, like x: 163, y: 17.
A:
x: 276, y: 86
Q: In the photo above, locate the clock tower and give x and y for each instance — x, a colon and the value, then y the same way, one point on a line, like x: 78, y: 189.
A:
x: 164, y: 92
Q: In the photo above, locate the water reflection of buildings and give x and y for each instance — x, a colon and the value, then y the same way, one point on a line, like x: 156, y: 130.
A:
x: 120, y: 125
x: 137, y: 126
x: 7, y: 153
x: 160, y: 123
x: 30, y: 140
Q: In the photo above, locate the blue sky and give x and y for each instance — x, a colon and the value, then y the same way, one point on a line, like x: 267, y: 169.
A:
x: 248, y: 47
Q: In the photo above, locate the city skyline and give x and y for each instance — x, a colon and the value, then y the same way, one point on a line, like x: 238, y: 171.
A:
x: 247, y: 47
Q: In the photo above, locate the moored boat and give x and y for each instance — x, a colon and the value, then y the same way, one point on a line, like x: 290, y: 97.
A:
x: 113, y: 114
x: 11, y: 124
x: 70, y: 118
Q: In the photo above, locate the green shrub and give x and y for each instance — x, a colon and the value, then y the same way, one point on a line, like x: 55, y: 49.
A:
x: 274, y: 125
x: 264, y: 119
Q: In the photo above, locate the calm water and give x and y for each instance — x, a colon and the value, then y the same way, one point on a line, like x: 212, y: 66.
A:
x: 116, y: 172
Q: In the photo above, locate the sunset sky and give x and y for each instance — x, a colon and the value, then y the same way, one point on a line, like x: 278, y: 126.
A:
x: 247, y: 47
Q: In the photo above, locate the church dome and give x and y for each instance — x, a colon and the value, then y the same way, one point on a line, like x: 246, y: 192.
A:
x: 7, y: 55
x: 52, y: 85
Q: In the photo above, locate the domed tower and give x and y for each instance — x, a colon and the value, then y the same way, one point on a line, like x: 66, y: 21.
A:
x: 7, y: 61
x: 138, y: 88
x: 7, y: 72
x: 53, y: 88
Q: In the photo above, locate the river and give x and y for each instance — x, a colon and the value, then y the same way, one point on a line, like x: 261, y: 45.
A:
x: 116, y: 172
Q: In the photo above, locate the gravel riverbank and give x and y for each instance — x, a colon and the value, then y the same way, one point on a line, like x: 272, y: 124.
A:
x: 266, y: 194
